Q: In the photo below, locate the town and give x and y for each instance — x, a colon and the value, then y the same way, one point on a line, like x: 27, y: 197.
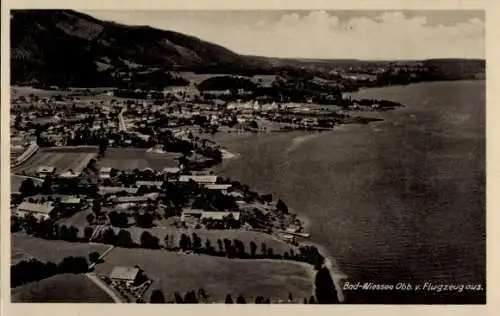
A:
x: 150, y: 165
x: 133, y: 170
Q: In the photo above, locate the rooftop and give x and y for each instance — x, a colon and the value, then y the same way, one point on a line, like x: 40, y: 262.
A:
x: 124, y: 273
x: 198, y: 179
x: 149, y: 183
x: 219, y: 215
x: 71, y: 200
x: 46, y: 169
x: 35, y: 207
x: 70, y: 174
x: 218, y: 186
x: 171, y: 170
x: 110, y: 190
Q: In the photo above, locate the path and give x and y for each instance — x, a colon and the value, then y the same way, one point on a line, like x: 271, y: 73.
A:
x: 28, y: 177
x: 101, y: 257
x: 121, y: 121
x: 103, y: 286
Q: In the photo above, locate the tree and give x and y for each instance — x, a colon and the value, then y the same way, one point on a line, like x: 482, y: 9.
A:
x: 72, y: 233
x: 87, y: 233
x: 326, y: 292
x: 208, y: 246
x: 290, y: 297
x: 94, y: 257
x: 157, y: 297
x: 203, y: 294
x: 190, y: 297
x: 305, y: 301
x: 144, y: 220
x: 149, y: 241
x: 109, y: 237
x: 196, y: 242
x: 253, y: 249
x: 312, y: 300
x: 263, y: 248
x: 229, y: 299
x: 96, y: 206
x: 118, y: 219
x: 15, y: 224
x: 166, y: 241
x: 281, y: 206
x: 259, y: 300
x: 221, y: 247
x: 46, y: 187
x: 73, y: 265
x: 29, y: 224
x: 185, y: 242
x: 240, y: 300
x: 270, y: 253
x: 90, y: 218
x: 228, y: 248
x: 103, y: 145
x: 27, y: 187
x: 178, y: 298
x: 124, y: 239
x: 44, y: 228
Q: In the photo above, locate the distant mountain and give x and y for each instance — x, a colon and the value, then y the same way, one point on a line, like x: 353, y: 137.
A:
x: 64, y: 46
x: 451, y: 67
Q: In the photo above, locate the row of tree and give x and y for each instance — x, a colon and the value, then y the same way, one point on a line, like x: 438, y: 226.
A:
x: 225, y: 247
x: 34, y: 270
x: 193, y: 297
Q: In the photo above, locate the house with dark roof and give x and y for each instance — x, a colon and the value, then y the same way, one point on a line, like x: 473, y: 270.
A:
x: 128, y: 275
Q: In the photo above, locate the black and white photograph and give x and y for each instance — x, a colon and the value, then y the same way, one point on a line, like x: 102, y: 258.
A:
x: 314, y: 156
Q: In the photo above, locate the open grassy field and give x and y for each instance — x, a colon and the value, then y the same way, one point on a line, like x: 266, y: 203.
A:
x: 197, y: 78
x: 49, y: 250
x: 79, y: 220
x: 63, y: 288
x: 175, y: 272
x: 131, y: 158
x: 61, y: 160
x: 18, y: 91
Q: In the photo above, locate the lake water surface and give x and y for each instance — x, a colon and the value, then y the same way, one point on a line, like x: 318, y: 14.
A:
x: 403, y: 198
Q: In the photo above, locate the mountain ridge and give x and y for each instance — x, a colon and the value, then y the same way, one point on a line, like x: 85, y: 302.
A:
x: 66, y: 47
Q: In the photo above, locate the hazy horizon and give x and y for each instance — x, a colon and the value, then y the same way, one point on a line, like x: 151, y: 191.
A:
x: 348, y: 34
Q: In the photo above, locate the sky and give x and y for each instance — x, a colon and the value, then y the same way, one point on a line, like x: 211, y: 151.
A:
x: 324, y: 34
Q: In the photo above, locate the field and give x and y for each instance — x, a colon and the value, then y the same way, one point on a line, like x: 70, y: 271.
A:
x: 61, y: 160
x: 79, y: 220
x: 76, y: 159
x: 17, y: 91
x: 197, y: 78
x: 23, y: 247
x: 174, y: 272
x: 131, y: 158
x: 63, y: 288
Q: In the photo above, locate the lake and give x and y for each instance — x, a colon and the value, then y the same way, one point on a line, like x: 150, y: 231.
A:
x: 402, y: 199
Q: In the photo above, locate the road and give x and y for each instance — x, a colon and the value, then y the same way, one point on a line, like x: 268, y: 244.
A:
x: 122, y: 127
x: 103, y: 286
x: 101, y: 257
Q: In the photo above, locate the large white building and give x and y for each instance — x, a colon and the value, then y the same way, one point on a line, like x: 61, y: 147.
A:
x: 39, y: 211
x: 200, y: 179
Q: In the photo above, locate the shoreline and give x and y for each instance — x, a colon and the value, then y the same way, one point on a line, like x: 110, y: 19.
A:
x: 330, y: 261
